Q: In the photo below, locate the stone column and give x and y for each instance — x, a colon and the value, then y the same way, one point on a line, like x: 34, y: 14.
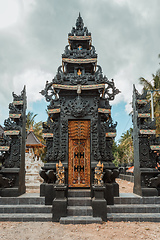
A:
x: 99, y: 204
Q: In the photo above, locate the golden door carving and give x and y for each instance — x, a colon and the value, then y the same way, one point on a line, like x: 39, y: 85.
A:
x: 79, y: 154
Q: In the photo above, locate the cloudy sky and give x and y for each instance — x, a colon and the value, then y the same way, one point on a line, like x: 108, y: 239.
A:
x: 33, y: 34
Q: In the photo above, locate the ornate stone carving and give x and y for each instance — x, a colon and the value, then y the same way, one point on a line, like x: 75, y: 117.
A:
x: 98, y: 176
x: 80, y: 30
x: 6, y: 182
x: 60, y: 174
x: 77, y: 107
x: 48, y: 176
x: 110, y: 175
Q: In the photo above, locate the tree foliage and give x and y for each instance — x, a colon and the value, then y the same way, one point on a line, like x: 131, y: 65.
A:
x: 123, y: 151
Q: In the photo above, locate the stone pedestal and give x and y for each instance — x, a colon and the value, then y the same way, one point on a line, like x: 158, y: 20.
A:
x: 115, y: 189
x: 109, y: 194
x: 50, y: 193
x: 146, y: 188
x: 59, y: 206
x: 42, y: 189
x: 98, y: 202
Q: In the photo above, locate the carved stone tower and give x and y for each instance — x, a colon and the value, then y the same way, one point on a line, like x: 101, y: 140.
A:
x: 79, y: 131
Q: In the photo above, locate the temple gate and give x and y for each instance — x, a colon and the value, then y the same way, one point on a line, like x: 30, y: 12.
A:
x: 79, y: 131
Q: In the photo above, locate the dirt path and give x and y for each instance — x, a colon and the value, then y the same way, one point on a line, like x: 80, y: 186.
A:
x: 55, y: 231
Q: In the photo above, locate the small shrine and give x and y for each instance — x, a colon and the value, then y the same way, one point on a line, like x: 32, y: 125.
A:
x: 33, y: 162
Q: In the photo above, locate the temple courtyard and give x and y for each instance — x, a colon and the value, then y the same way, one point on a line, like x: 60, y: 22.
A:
x: 57, y: 231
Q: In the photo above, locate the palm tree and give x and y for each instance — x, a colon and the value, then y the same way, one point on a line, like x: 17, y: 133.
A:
x: 154, y: 85
x: 30, y: 120
x: 36, y: 127
x: 126, y: 144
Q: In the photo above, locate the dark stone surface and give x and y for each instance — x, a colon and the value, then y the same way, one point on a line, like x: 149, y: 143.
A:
x: 99, y: 203
x: 149, y: 192
x: 59, y: 205
x: 14, y: 159
x: 59, y: 209
x: 49, y: 194
x: 99, y: 208
x: 109, y: 195
x: 42, y: 190
x: 145, y: 159
x: 115, y: 189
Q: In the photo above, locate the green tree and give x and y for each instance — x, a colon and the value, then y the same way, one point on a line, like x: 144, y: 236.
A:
x: 123, y: 151
x: 36, y: 126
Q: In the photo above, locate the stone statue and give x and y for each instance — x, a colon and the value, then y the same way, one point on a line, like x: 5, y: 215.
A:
x: 60, y: 173
x: 98, y: 174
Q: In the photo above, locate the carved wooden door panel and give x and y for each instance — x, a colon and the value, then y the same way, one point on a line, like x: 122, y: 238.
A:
x: 79, y: 154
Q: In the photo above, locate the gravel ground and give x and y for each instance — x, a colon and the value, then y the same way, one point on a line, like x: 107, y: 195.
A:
x: 56, y: 231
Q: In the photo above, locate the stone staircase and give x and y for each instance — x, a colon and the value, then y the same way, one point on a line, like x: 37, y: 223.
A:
x: 27, y: 207
x: 127, y: 207
x: 130, y: 207
x: 79, y: 208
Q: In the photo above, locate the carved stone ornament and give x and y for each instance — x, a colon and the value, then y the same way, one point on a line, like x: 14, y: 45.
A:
x: 6, y: 182
x: 60, y: 173
x: 77, y: 107
x: 98, y: 176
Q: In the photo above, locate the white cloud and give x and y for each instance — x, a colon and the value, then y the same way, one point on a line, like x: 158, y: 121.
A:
x: 125, y: 34
x: 34, y: 80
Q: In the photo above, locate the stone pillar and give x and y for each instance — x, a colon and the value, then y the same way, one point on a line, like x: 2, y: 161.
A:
x: 109, y: 195
x: 59, y: 206
x: 99, y: 204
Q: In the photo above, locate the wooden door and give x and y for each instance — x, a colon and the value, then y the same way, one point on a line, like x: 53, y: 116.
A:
x: 79, y: 154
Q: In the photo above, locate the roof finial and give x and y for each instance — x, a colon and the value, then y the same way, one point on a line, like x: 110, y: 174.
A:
x: 79, y: 23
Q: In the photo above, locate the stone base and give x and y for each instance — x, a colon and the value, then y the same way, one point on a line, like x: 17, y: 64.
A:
x: 10, y: 192
x: 42, y: 189
x: 99, y: 204
x: 115, y: 189
x: 49, y: 194
x: 109, y: 194
x: 99, y: 208
x: 59, y: 209
x: 146, y: 192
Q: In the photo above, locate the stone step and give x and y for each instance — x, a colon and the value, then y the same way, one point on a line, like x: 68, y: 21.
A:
x: 134, y: 217
x: 21, y: 200
x: 133, y: 208
x: 79, y: 193
x: 80, y: 220
x: 137, y: 200
x: 21, y: 217
x: 78, y: 201
x: 79, y: 211
x: 25, y: 209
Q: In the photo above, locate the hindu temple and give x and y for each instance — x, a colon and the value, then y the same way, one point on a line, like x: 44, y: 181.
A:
x: 79, y: 131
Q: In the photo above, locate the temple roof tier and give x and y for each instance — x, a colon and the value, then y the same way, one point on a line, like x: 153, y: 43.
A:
x: 79, y: 30
x: 32, y: 141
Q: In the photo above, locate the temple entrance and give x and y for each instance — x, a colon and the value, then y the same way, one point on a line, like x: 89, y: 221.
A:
x: 79, y: 153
